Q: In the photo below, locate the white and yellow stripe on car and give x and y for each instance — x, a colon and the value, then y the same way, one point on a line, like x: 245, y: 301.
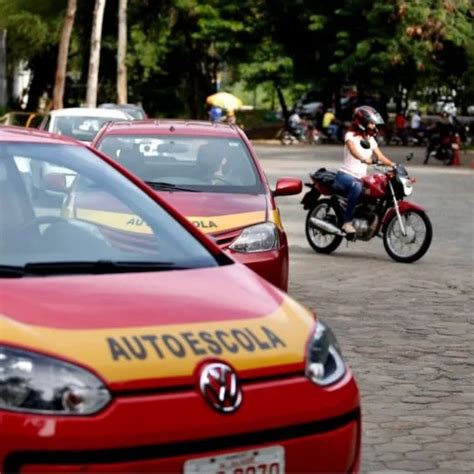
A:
x: 207, y: 224
x: 138, y: 353
x: 274, y: 216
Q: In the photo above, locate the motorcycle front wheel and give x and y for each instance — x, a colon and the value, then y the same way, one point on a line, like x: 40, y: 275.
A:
x: 412, y: 246
x: 320, y: 241
x: 286, y: 138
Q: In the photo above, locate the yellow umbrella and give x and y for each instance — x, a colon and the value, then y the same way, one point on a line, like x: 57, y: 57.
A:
x: 224, y: 100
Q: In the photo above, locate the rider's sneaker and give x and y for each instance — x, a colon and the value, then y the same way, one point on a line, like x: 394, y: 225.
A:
x: 348, y: 228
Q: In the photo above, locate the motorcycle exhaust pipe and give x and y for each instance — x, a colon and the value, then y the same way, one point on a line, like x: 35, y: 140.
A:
x: 326, y: 226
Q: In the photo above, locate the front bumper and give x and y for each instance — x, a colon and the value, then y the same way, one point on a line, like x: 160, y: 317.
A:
x: 319, y: 430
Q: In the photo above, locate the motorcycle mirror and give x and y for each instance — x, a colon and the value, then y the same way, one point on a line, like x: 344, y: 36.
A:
x: 410, y: 157
x: 364, y: 143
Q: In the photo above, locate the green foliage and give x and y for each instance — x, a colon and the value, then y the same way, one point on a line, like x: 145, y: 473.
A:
x: 317, y: 22
x: 268, y: 64
x: 146, y: 51
x: 31, y: 26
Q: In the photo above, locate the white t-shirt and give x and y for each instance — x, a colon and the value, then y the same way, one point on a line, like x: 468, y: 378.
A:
x: 352, y: 165
x: 294, y: 120
x: 415, y: 121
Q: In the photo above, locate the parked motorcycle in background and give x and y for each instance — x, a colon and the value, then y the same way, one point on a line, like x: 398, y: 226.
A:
x: 404, y: 226
x: 304, y: 133
x: 445, y: 148
x: 446, y: 139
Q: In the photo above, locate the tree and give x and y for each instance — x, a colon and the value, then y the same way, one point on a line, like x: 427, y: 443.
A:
x: 58, y: 92
x: 122, y: 53
x: 401, y: 45
x: 33, y: 32
x: 94, y: 59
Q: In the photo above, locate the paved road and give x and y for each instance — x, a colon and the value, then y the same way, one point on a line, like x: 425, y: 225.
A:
x: 406, y: 330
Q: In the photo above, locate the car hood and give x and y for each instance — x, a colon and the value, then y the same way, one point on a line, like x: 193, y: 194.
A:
x: 214, y: 213
x: 151, y: 330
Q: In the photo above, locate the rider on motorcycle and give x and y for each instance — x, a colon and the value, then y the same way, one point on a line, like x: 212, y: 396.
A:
x: 359, y: 147
x: 440, y: 136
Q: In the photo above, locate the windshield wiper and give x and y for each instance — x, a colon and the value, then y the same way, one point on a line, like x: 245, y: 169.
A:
x: 170, y: 186
x: 85, y: 267
x: 11, y: 271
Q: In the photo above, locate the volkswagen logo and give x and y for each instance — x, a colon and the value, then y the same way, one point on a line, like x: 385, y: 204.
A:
x: 220, y: 387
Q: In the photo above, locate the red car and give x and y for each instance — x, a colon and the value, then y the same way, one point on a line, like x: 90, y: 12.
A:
x: 210, y: 173
x: 174, y: 359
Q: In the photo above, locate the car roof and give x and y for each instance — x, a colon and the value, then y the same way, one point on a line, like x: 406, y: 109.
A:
x: 171, y: 126
x: 89, y: 112
x: 11, y: 133
x: 111, y: 105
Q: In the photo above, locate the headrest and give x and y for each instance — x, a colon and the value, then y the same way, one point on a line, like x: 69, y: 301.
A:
x: 210, y: 156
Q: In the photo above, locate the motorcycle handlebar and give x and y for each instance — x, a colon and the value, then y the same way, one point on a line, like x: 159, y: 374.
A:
x: 382, y: 167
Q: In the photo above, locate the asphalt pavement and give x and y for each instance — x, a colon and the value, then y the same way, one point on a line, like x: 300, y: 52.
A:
x: 406, y: 330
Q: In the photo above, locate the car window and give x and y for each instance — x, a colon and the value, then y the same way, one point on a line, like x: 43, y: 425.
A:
x: 46, y: 216
x: 80, y: 128
x: 199, y: 163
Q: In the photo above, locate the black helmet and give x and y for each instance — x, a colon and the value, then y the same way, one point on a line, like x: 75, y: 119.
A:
x: 365, y: 115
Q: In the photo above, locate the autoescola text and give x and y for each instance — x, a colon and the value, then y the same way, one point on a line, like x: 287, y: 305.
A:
x: 198, y: 343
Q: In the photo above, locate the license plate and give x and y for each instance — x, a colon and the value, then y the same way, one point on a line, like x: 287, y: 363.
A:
x: 256, y: 461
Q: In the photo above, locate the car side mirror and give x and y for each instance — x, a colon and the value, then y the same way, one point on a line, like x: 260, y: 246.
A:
x: 58, y: 182
x: 288, y: 187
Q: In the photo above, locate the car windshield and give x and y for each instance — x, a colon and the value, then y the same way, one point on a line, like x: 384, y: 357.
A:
x: 62, y: 203
x: 210, y: 164
x: 80, y: 128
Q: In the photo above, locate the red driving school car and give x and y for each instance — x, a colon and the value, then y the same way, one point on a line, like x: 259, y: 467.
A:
x: 210, y: 173
x: 158, y: 355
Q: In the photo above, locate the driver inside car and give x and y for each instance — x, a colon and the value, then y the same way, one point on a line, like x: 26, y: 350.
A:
x: 211, y: 163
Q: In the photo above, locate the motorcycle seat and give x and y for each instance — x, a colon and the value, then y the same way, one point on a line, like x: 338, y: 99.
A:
x: 324, y: 176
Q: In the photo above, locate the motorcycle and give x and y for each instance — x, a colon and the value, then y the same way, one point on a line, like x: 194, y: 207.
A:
x: 404, y: 226
x: 407, y: 137
x: 445, y: 148
x: 289, y: 135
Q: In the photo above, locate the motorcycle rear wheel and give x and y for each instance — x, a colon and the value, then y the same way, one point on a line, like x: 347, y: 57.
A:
x: 415, y: 244
x: 319, y: 240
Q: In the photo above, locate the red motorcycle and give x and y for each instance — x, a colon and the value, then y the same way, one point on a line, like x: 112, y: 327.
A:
x: 382, y: 212
x: 445, y: 147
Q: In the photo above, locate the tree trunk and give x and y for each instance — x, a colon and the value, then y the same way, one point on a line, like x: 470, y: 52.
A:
x: 281, y: 98
x: 60, y: 79
x: 94, y: 60
x: 122, y: 53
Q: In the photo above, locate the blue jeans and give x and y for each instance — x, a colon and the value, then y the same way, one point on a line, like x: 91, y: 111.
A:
x: 352, y: 188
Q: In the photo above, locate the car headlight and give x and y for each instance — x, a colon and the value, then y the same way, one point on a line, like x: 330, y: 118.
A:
x: 324, y: 362
x: 257, y: 238
x: 35, y: 383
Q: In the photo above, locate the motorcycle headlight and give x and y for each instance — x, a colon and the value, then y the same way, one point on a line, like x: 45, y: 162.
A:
x: 257, y: 238
x: 324, y: 362
x: 35, y: 383
x: 407, y: 186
